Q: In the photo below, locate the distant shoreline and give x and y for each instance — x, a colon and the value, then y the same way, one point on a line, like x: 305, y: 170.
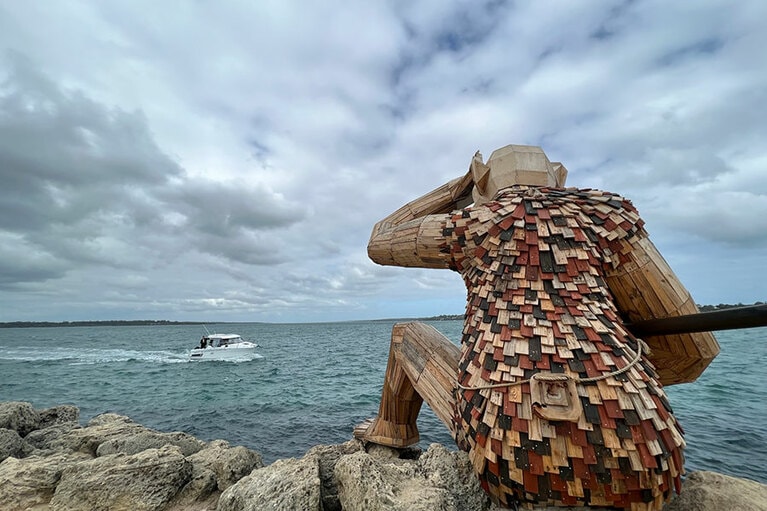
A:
x: 152, y: 322
x: 162, y: 322
x: 127, y: 322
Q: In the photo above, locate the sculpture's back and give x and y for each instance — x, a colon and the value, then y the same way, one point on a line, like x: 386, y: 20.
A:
x: 556, y: 401
x: 641, y: 282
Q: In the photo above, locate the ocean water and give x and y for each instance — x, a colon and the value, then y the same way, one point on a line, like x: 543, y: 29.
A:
x: 314, y: 382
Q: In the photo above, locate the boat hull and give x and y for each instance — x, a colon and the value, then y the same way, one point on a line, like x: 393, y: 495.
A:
x: 245, y: 352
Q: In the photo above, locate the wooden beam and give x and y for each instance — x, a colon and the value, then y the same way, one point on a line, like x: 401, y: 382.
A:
x: 751, y: 316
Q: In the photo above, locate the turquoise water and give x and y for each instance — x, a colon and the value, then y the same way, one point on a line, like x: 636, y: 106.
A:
x: 315, y: 382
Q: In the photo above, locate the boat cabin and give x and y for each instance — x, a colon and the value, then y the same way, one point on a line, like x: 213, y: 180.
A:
x: 220, y: 340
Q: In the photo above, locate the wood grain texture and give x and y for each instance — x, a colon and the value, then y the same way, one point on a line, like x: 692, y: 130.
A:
x: 422, y: 367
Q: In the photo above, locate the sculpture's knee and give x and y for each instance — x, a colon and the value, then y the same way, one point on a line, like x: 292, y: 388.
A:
x: 401, y: 330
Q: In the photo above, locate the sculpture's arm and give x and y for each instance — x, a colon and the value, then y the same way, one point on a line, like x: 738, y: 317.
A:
x: 412, y: 235
x: 645, y: 287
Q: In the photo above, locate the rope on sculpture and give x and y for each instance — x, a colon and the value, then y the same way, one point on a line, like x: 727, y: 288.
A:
x: 562, y: 377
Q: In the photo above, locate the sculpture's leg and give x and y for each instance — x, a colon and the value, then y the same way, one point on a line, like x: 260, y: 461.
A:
x: 423, y: 365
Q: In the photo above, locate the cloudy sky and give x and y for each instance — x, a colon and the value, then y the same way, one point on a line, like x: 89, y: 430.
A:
x: 226, y: 161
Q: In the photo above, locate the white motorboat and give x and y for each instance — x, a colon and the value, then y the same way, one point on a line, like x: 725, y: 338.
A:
x: 223, y: 347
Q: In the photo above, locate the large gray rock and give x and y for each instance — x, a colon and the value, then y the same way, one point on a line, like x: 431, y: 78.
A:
x: 187, y: 443
x: 100, y: 429
x: 284, y: 485
x: 30, y: 482
x: 709, y: 491
x: 61, y: 414
x: 328, y: 456
x: 19, y: 416
x: 50, y: 438
x: 11, y: 444
x: 229, y: 464
x: 201, y: 492
x: 147, y: 481
x: 440, y: 480
x: 136, y: 441
x: 453, y: 471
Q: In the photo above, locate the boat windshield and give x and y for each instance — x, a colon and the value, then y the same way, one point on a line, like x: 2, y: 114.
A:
x: 219, y: 342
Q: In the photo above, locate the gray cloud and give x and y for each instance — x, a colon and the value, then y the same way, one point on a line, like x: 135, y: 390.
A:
x: 87, y: 184
x: 229, y: 160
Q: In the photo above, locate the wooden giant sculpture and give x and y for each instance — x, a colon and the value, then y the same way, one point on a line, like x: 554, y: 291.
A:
x: 553, y: 398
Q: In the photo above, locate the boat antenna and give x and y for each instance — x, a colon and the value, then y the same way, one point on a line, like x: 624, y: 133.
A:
x: 206, y: 329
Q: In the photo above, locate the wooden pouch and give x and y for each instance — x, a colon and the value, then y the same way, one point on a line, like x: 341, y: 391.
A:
x: 555, y: 397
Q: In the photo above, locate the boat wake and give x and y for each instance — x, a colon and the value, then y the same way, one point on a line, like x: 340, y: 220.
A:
x: 85, y: 356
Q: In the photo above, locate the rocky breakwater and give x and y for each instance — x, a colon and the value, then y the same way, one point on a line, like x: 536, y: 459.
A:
x: 48, y: 461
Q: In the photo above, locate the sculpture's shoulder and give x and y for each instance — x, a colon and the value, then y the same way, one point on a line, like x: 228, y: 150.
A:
x: 589, y: 198
x: 588, y: 206
x: 581, y: 197
x: 523, y: 214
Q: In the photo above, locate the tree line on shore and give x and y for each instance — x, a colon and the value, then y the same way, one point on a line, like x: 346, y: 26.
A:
x: 118, y: 322
x: 709, y: 308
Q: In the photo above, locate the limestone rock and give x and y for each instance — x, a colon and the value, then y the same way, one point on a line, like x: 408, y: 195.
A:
x: 109, y: 419
x: 440, y: 480
x: 100, y: 429
x: 284, y: 485
x: 230, y: 464
x: 141, y: 469
x: 365, y: 483
x: 201, y: 489
x: 328, y: 456
x: 11, y: 444
x: 29, y: 482
x: 453, y: 471
x: 19, y: 416
x: 61, y: 414
x: 187, y: 443
x: 50, y: 438
x: 134, y: 442
x: 710, y: 491
x: 146, y: 481
x: 382, y: 452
